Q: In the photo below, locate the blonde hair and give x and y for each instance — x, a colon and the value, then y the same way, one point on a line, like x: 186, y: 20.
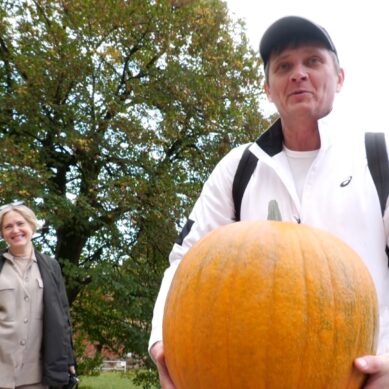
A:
x: 23, y: 210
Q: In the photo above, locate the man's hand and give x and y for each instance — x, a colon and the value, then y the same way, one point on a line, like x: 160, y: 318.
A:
x: 159, y: 358
x: 377, y: 367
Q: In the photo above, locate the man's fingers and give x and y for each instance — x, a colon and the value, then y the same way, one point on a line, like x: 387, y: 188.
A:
x: 369, y: 364
x: 159, y: 358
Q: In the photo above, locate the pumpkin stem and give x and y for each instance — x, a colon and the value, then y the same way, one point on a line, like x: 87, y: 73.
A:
x: 273, y: 212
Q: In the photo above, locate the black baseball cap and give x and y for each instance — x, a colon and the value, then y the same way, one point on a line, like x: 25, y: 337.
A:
x: 292, y: 29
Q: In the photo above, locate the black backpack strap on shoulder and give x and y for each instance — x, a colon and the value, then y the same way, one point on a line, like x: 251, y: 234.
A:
x: 377, y: 160
x: 245, y: 169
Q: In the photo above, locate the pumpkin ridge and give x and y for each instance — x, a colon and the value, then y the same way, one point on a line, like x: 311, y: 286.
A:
x: 327, y: 257
x: 231, y: 301
x: 333, y: 302
x: 271, y: 325
x: 304, y: 264
x: 358, y: 339
x: 213, y: 265
x: 307, y: 320
x: 194, y: 354
x: 341, y: 267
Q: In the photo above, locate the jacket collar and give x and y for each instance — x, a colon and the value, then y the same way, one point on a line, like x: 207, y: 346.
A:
x: 271, y: 141
x: 43, y: 265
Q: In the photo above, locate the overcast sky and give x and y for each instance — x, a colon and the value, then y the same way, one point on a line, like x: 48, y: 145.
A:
x: 360, y: 31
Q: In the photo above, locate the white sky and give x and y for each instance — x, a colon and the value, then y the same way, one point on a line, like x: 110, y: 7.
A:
x: 360, y: 32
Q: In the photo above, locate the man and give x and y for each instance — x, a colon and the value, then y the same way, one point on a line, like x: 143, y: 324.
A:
x: 314, y: 179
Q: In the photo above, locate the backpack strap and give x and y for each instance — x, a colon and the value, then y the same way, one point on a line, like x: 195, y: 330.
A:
x: 245, y: 169
x: 377, y: 160
x: 378, y: 163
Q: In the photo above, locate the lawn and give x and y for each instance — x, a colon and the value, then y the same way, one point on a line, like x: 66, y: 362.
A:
x: 108, y: 381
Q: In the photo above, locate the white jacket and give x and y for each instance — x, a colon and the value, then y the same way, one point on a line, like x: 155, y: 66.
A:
x: 351, y: 211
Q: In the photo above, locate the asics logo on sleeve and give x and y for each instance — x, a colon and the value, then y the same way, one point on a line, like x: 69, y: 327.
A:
x: 346, y: 182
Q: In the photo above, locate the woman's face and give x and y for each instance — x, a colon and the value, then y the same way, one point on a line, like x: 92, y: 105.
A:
x: 16, y: 231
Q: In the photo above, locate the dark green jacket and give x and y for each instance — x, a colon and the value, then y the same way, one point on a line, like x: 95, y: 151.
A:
x: 57, y: 349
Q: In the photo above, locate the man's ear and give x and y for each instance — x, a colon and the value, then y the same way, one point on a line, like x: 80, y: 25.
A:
x: 340, y: 80
x: 267, y: 91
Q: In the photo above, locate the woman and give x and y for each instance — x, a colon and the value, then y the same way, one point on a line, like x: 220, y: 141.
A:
x: 35, y: 331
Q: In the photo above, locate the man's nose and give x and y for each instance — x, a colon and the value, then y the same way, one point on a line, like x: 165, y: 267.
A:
x: 299, y: 73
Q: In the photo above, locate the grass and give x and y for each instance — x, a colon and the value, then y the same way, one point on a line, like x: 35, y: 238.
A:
x: 108, y: 381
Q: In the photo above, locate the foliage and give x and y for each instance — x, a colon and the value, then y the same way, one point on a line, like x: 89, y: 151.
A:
x: 86, y: 365
x: 148, y: 379
x: 112, y: 114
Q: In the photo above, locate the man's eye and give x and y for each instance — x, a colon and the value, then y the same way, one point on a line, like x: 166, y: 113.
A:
x: 313, y: 61
x: 283, y: 66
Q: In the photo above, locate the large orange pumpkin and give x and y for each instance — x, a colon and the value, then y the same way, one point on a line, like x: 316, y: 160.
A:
x: 269, y: 305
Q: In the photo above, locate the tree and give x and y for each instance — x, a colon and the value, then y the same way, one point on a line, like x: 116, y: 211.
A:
x: 112, y: 115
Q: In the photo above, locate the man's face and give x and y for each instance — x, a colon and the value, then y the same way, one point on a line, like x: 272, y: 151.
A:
x: 303, y: 82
